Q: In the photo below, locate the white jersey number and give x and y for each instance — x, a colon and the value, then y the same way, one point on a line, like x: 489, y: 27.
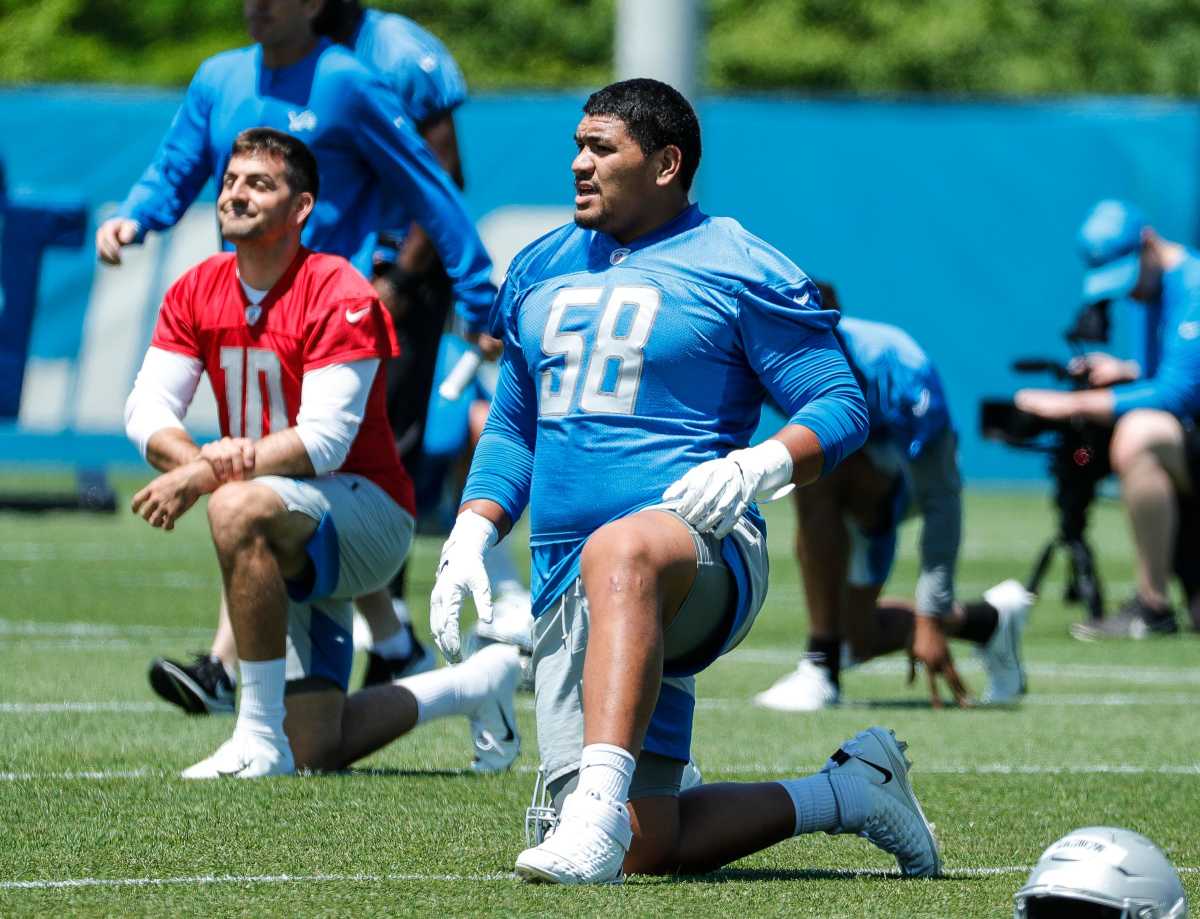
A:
x: 247, y: 370
x: 615, y: 357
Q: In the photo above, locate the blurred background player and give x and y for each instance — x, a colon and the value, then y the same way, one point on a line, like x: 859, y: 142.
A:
x: 638, y: 342
x: 310, y: 504
x: 408, y: 274
x: 377, y: 172
x: 453, y: 427
x: 847, y: 526
x: 1155, y: 448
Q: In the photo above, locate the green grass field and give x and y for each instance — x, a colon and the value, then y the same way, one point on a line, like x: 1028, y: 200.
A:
x: 94, y: 821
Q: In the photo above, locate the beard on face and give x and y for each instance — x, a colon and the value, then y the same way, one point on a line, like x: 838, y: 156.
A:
x: 241, y: 226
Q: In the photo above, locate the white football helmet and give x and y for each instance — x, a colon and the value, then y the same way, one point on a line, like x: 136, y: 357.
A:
x: 541, y: 818
x: 1102, y: 872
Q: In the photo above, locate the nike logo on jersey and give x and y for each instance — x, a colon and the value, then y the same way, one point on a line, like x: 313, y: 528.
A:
x: 302, y: 121
x: 352, y: 316
x: 841, y: 756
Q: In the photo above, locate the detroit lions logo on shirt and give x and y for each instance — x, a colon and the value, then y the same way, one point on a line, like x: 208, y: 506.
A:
x: 302, y: 121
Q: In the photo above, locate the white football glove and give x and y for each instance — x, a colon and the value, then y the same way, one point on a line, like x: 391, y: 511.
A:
x: 460, y: 572
x: 714, y: 495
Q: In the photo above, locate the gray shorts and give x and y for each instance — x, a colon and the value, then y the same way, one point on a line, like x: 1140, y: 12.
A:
x: 716, y: 615
x: 362, y: 538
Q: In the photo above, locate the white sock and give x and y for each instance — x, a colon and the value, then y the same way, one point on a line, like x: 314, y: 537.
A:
x: 230, y: 670
x: 607, y: 769
x: 815, y: 804
x: 501, y: 571
x: 398, y: 647
x: 461, y: 689
x: 261, y: 710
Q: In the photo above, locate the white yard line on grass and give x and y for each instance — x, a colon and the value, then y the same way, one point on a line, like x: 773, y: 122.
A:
x: 1113, y: 673
x: 1041, y: 699
x: 13, y: 629
x: 713, y: 769
x: 209, y: 879
x: 86, y: 708
x: 87, y: 775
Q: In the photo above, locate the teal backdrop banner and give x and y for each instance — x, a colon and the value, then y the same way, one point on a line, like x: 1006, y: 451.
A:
x: 953, y: 219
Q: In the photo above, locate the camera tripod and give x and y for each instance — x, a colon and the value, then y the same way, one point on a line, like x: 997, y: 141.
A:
x: 1077, y: 470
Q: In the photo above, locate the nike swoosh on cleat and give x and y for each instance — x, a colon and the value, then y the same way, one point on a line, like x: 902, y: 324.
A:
x: 841, y: 756
x: 507, y: 726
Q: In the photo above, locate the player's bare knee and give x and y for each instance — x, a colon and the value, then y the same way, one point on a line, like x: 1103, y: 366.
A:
x: 239, y: 512
x: 618, y: 557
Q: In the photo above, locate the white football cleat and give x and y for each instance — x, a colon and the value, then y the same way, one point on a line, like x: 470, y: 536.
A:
x: 587, y: 847
x: 1001, y: 656
x: 245, y: 756
x: 893, y: 820
x: 512, y: 620
x: 808, y: 688
x: 494, y: 724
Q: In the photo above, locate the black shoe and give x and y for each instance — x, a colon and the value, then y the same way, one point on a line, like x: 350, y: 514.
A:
x: 387, y: 670
x: 199, y: 688
x: 1135, y: 619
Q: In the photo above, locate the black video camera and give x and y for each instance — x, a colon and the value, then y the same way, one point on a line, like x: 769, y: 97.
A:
x: 1077, y: 453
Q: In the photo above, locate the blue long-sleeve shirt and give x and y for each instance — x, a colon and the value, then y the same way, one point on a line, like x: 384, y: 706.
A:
x: 371, y: 160
x: 626, y: 366
x: 414, y: 63
x: 1171, y: 363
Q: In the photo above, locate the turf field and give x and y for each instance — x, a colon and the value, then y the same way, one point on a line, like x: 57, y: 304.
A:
x: 93, y: 820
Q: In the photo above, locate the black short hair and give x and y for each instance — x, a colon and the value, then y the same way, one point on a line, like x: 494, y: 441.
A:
x: 829, y: 297
x: 300, y: 166
x: 337, y: 17
x: 656, y: 115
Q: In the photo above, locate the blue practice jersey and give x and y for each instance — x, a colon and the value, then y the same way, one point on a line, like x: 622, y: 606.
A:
x: 365, y: 149
x: 1171, y: 364
x: 414, y: 63
x: 626, y: 366
x: 904, y: 394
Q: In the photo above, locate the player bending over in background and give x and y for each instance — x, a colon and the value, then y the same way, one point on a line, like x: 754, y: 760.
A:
x: 846, y: 530
x: 309, y: 504
x: 360, y: 123
x: 1154, y: 405
x: 638, y: 344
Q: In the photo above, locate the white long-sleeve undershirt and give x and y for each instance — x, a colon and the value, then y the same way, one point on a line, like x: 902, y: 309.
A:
x: 333, y: 401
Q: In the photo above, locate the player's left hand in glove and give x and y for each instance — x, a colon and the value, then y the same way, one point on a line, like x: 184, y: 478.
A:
x: 714, y: 495
x: 460, y: 572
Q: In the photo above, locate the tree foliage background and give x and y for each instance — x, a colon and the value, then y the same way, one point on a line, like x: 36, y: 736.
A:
x: 1003, y: 47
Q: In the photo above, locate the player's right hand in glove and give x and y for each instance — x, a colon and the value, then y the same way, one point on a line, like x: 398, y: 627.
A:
x: 460, y: 572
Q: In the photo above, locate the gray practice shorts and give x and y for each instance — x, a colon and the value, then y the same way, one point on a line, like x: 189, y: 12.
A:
x: 362, y: 538
x: 714, y: 617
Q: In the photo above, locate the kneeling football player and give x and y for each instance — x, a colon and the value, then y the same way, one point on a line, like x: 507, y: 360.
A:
x: 309, y: 505
x: 638, y: 345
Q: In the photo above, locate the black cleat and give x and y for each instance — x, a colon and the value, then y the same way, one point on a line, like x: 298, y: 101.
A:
x: 382, y: 669
x: 199, y: 688
x: 1136, y: 619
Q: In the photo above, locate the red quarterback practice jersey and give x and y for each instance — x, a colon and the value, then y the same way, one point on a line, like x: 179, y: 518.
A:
x: 321, y: 312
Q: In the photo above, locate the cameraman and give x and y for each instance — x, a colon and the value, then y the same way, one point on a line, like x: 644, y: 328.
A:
x: 1155, y: 448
